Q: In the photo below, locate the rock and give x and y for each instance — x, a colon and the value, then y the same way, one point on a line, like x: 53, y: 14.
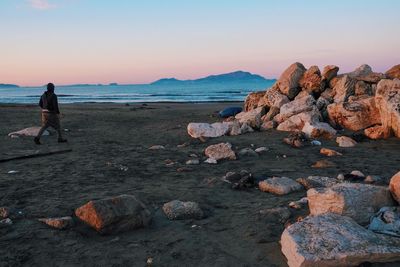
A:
x: 265, y: 126
x: 279, y: 185
x: 114, y: 214
x: 239, y: 180
x: 245, y: 128
x: 60, y: 223
x: 329, y: 152
x: 157, y: 147
x: 296, y: 139
x: 386, y: 221
x: 356, y: 115
x: 333, y: 240
x: 299, y: 203
x: 234, y: 128
x: 394, y: 187
x: 344, y: 88
x: 4, y: 212
x: 197, y: 130
x: 274, y: 98
x: 288, y: 82
x: 365, y: 73
x: 178, y: 210
x: 31, y: 131
x: 358, y: 173
x: 315, y: 143
x: 329, y: 72
x: 362, y: 88
x: 229, y: 112
x: 388, y: 101
x: 5, y: 223
x: 317, y: 181
x: 373, y: 179
x: 281, y: 214
x: 295, y: 107
x: 358, y: 201
x: 261, y: 149
x: 252, y: 100
x: 273, y: 111
x: 322, y: 103
x: 323, y: 164
x: 302, y: 94
x: 393, y: 72
x: 247, y: 152
x: 375, y: 132
x: 311, y: 81
x: 193, y: 162
x: 252, y: 117
x: 220, y: 151
x: 318, y: 129
x: 211, y: 161
x: 345, y: 141
x: 297, y: 122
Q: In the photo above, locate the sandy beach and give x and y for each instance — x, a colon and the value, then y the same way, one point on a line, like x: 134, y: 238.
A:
x: 110, y: 157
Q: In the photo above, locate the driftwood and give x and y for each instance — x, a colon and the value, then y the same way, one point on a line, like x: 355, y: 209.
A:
x: 36, y: 155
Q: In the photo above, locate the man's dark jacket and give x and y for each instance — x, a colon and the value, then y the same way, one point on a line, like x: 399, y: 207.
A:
x: 48, y: 101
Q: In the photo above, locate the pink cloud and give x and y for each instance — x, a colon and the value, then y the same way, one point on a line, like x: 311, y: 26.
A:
x: 40, y: 4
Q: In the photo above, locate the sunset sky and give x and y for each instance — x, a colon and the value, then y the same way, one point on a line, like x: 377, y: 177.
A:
x: 132, y: 41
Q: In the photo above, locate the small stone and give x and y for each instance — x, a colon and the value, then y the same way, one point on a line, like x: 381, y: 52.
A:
x: 261, y: 149
x: 279, y: 185
x: 179, y: 210
x: 340, y: 177
x: 58, y: 223
x: 220, y: 151
x: 211, y: 161
x: 373, y: 179
x: 357, y: 173
x: 4, y: 212
x: 193, y: 162
x: 329, y: 152
x: 12, y: 172
x: 345, y: 141
x: 247, y: 152
x: 299, y: 203
x: 315, y: 143
x: 5, y: 222
x: 323, y: 164
x: 156, y: 147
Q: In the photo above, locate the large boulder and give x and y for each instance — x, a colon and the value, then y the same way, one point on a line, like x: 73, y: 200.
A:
x: 297, y: 122
x: 393, y: 72
x: 197, y: 130
x: 365, y: 73
x: 179, y: 210
x: 358, y: 201
x: 344, y: 88
x: 375, y: 132
x: 363, y: 89
x: 274, y: 98
x: 252, y: 117
x: 297, y: 106
x: 334, y: 240
x: 279, y: 185
x: 394, y: 186
x: 289, y: 80
x: 31, y: 131
x: 114, y: 214
x: 220, y: 151
x: 318, y: 129
x: 311, y: 81
x: 252, y: 100
x: 355, y: 115
x: 388, y: 101
x: 272, y: 112
x: 329, y: 72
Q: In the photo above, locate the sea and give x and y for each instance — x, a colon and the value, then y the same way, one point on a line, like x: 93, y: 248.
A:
x: 204, y: 92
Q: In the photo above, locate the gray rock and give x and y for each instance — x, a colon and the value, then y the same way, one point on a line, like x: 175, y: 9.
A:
x: 358, y: 201
x: 178, y: 210
x: 193, y: 162
x: 334, y: 240
x: 247, y: 152
x: 386, y: 221
x: 279, y: 185
x: 317, y: 181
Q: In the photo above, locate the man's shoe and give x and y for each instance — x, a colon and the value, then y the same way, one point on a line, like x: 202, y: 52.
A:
x: 61, y: 140
x: 37, y: 141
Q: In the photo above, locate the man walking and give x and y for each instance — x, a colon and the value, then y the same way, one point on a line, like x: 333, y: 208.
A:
x: 50, y: 114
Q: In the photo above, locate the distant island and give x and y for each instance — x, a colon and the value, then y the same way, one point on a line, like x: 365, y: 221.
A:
x: 237, y: 76
x: 5, y: 85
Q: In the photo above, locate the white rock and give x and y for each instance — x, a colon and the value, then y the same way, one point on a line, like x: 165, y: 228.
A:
x: 211, y: 161
x: 261, y: 149
x: 197, y: 130
x: 334, y: 241
x: 252, y: 117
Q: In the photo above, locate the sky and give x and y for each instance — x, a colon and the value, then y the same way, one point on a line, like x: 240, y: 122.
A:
x: 139, y: 41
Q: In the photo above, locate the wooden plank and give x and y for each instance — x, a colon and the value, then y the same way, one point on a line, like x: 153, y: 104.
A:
x: 36, y: 155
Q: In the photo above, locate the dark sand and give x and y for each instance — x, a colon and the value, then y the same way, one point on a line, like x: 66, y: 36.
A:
x: 234, y: 234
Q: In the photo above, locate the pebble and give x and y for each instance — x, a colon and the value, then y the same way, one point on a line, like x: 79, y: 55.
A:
x: 157, y: 147
x: 193, y: 162
x: 12, y: 172
x: 316, y: 143
x: 261, y: 149
x: 357, y: 173
x: 211, y: 161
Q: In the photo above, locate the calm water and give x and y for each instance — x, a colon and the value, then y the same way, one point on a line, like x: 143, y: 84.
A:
x: 137, y: 93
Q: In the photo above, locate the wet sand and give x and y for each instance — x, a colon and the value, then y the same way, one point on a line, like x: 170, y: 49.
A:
x: 104, y: 137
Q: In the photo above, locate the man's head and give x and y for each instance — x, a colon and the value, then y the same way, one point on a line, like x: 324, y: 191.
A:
x: 50, y: 87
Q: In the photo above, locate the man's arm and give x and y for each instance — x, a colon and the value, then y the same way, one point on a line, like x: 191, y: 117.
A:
x: 55, y: 105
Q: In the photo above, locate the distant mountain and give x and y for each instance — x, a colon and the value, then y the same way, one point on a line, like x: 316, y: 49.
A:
x: 5, y: 85
x: 237, y: 76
